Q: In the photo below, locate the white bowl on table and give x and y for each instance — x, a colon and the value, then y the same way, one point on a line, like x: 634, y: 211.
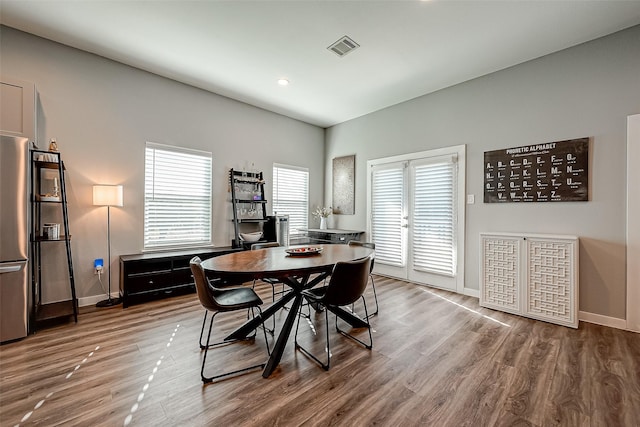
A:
x: 251, y: 237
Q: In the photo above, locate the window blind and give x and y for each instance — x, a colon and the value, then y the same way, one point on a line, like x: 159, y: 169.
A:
x: 387, y: 199
x: 291, y: 196
x: 434, y: 215
x: 177, y: 197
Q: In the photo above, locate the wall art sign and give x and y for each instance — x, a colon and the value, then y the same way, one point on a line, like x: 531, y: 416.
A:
x: 551, y: 172
x: 344, y: 185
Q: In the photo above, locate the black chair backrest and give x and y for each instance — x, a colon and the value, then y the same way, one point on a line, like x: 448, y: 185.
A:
x: 264, y: 245
x: 348, y: 282
x: 369, y: 245
x: 203, y: 288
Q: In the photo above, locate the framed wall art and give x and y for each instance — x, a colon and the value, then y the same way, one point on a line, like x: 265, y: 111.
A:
x: 550, y: 172
x: 344, y: 185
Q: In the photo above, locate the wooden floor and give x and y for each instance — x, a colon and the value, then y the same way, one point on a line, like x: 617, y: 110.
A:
x: 438, y: 360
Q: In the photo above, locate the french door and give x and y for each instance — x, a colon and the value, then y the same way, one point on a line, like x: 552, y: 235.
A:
x: 416, y: 217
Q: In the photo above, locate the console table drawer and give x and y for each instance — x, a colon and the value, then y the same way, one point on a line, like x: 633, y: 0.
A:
x: 157, y: 275
x: 149, y: 282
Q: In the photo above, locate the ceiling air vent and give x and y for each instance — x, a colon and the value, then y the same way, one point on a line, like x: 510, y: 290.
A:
x: 343, y: 46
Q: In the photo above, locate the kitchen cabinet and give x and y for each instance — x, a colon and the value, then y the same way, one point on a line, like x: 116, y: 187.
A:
x: 17, y: 108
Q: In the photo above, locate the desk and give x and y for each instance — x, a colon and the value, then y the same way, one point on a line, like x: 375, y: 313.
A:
x: 295, y: 272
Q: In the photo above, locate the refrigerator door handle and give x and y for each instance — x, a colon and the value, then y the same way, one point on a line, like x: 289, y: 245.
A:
x: 11, y: 268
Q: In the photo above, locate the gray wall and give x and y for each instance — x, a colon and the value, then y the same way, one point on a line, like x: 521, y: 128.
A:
x: 585, y: 91
x: 103, y: 112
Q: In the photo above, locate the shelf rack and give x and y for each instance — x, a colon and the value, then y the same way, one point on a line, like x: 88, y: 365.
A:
x: 42, y: 161
x: 247, y: 198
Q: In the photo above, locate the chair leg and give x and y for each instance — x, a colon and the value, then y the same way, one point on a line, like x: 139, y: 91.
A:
x: 202, y: 347
x: 366, y: 317
x: 264, y: 330
x: 273, y: 318
x: 206, y: 379
x: 307, y: 352
x: 375, y: 296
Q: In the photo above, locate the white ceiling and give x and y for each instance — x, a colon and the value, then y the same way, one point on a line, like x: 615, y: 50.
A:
x: 240, y: 49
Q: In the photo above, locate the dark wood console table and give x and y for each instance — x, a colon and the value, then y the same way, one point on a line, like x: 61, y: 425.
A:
x: 144, y: 277
x: 333, y: 235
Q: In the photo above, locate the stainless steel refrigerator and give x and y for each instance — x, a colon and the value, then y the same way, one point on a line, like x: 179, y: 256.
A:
x: 14, y: 238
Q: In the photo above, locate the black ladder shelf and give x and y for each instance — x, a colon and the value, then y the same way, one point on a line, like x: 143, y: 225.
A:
x: 248, y: 203
x: 53, y: 198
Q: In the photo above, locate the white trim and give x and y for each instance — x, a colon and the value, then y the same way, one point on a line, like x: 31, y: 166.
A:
x: 475, y: 293
x: 633, y: 223
x: 598, y: 319
x: 457, y: 151
x: 454, y: 149
x: 177, y: 149
x: 92, y: 300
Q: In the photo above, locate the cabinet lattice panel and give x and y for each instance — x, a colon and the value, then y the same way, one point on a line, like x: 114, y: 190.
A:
x: 501, y: 273
x: 550, y: 282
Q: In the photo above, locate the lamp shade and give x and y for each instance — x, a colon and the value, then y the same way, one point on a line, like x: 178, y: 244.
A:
x: 107, y: 195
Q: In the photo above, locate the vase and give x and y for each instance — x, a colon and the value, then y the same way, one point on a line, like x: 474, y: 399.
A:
x: 323, y: 223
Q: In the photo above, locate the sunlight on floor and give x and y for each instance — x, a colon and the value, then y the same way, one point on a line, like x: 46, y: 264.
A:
x: 140, y: 397
x: 41, y: 402
x: 467, y: 308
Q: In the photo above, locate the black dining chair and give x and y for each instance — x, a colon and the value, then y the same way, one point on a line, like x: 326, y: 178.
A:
x: 272, y: 282
x: 216, y: 301
x: 346, y: 285
x: 369, y: 245
x: 267, y: 280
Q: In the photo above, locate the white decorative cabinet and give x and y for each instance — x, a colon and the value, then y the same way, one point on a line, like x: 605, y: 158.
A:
x: 530, y: 275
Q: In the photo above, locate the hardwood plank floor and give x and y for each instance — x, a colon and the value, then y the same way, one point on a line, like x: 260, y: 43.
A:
x: 438, y: 360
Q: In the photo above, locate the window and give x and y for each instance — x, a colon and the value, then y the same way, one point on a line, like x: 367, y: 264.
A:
x: 177, y: 197
x: 291, y: 196
x: 387, y: 204
x: 434, y: 216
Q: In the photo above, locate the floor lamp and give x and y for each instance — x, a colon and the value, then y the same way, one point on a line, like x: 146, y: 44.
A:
x: 108, y: 195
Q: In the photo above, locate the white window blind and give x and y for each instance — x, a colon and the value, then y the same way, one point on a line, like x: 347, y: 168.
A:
x: 434, y: 217
x: 291, y: 195
x: 387, y: 201
x: 177, y: 197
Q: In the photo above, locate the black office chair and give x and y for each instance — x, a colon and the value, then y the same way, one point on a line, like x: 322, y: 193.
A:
x: 347, y: 284
x: 222, y: 300
x: 373, y: 284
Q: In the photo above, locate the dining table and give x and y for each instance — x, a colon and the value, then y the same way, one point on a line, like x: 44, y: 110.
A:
x: 299, y: 268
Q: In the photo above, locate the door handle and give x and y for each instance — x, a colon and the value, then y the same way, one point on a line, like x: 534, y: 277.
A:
x: 10, y: 269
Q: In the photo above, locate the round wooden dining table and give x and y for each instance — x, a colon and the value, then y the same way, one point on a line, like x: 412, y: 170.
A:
x: 292, y: 269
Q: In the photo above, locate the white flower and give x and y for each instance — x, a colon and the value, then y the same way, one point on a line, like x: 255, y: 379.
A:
x: 322, y: 212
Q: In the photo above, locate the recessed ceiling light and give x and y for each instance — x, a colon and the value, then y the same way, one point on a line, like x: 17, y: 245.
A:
x: 283, y: 82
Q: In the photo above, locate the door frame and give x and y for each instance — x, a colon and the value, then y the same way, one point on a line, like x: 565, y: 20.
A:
x: 460, y: 152
x: 633, y: 223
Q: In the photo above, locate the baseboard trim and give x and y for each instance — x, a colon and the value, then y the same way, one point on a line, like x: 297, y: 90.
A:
x: 92, y: 300
x: 599, y: 319
x: 471, y: 292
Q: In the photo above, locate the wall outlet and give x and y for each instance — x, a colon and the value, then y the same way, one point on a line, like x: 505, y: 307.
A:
x: 98, y: 265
